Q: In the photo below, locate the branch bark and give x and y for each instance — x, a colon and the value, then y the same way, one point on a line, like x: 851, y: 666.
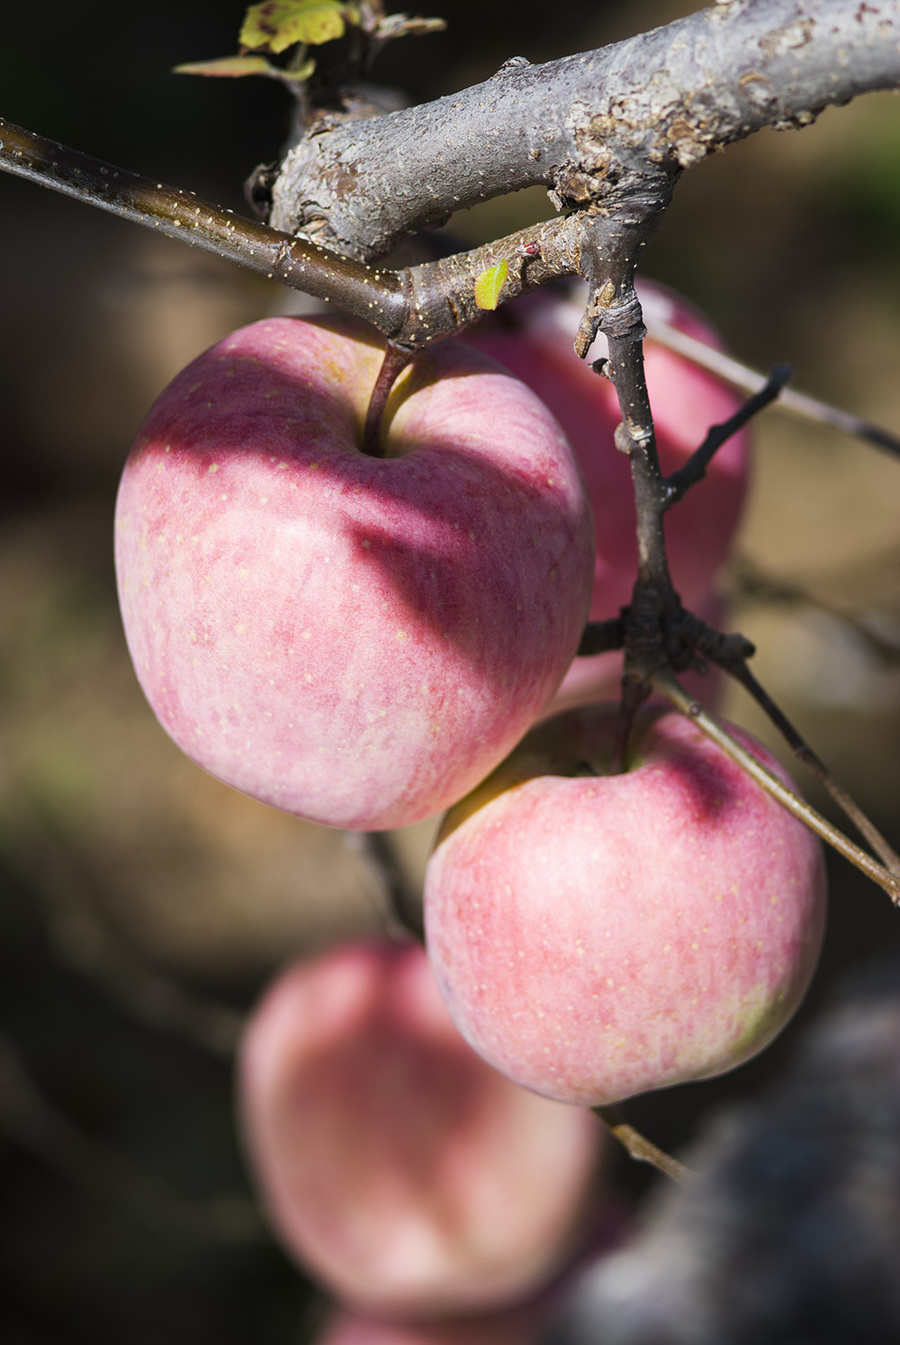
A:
x: 603, y: 129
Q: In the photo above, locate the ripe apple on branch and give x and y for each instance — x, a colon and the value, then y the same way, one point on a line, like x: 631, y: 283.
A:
x: 352, y: 638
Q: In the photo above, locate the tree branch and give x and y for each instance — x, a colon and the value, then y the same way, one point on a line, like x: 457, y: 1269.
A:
x: 411, y: 307
x: 602, y: 128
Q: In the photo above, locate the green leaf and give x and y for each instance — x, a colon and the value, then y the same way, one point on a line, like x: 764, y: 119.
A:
x: 230, y: 66
x: 489, y: 284
x: 278, y: 24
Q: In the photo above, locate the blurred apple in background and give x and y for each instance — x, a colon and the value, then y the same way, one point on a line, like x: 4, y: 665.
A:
x: 357, y: 640
x: 410, y: 1176
x: 597, y: 936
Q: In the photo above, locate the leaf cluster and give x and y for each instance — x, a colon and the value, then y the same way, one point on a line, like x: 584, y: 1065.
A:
x: 293, y: 26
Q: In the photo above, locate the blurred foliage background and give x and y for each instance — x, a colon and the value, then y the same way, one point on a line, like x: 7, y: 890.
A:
x: 142, y: 904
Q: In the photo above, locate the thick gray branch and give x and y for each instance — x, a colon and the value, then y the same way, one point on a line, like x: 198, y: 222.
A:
x: 606, y: 127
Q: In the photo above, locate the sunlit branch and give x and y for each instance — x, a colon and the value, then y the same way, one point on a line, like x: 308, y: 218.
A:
x: 750, y: 380
x: 412, y: 307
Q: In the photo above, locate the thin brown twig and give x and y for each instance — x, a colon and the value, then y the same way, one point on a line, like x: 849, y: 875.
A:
x: 639, y: 1147
x: 795, y: 403
x: 814, y: 763
x: 772, y: 784
x: 399, y: 905
x: 694, y: 469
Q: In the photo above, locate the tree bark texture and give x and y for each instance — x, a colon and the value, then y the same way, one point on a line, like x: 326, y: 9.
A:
x: 609, y: 129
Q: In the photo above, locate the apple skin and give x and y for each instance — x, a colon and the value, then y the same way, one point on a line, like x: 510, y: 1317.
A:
x: 356, y: 640
x: 533, y: 336
x: 414, y: 1179
x: 596, y: 936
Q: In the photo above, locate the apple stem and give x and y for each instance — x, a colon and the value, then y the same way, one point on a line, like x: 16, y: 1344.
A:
x: 396, y: 358
x: 639, y: 1147
x: 634, y: 692
x: 772, y: 784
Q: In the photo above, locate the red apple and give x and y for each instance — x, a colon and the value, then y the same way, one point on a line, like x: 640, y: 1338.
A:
x: 535, y: 343
x: 414, y: 1179
x: 597, y: 936
x: 357, y: 640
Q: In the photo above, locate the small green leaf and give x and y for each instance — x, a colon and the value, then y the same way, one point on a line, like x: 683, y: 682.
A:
x: 489, y: 284
x: 230, y: 66
x: 278, y: 24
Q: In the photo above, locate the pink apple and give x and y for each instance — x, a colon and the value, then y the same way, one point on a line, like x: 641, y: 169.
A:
x: 410, y: 1176
x: 533, y: 338
x: 597, y: 936
x: 357, y: 640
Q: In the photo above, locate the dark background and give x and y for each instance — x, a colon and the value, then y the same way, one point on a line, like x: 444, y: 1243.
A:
x: 143, y: 905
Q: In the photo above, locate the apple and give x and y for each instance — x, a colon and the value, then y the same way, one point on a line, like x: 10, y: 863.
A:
x: 410, y: 1176
x: 533, y: 336
x: 596, y: 936
x: 354, y: 639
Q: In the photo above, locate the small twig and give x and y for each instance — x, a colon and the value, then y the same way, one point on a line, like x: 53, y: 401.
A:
x: 694, y: 469
x: 396, y: 358
x: 750, y: 380
x: 378, y: 296
x: 814, y: 763
x: 599, y: 637
x: 772, y: 784
x: 641, y: 1149
x: 414, y: 306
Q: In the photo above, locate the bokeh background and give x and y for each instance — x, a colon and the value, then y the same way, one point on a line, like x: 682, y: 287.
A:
x: 143, y: 906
